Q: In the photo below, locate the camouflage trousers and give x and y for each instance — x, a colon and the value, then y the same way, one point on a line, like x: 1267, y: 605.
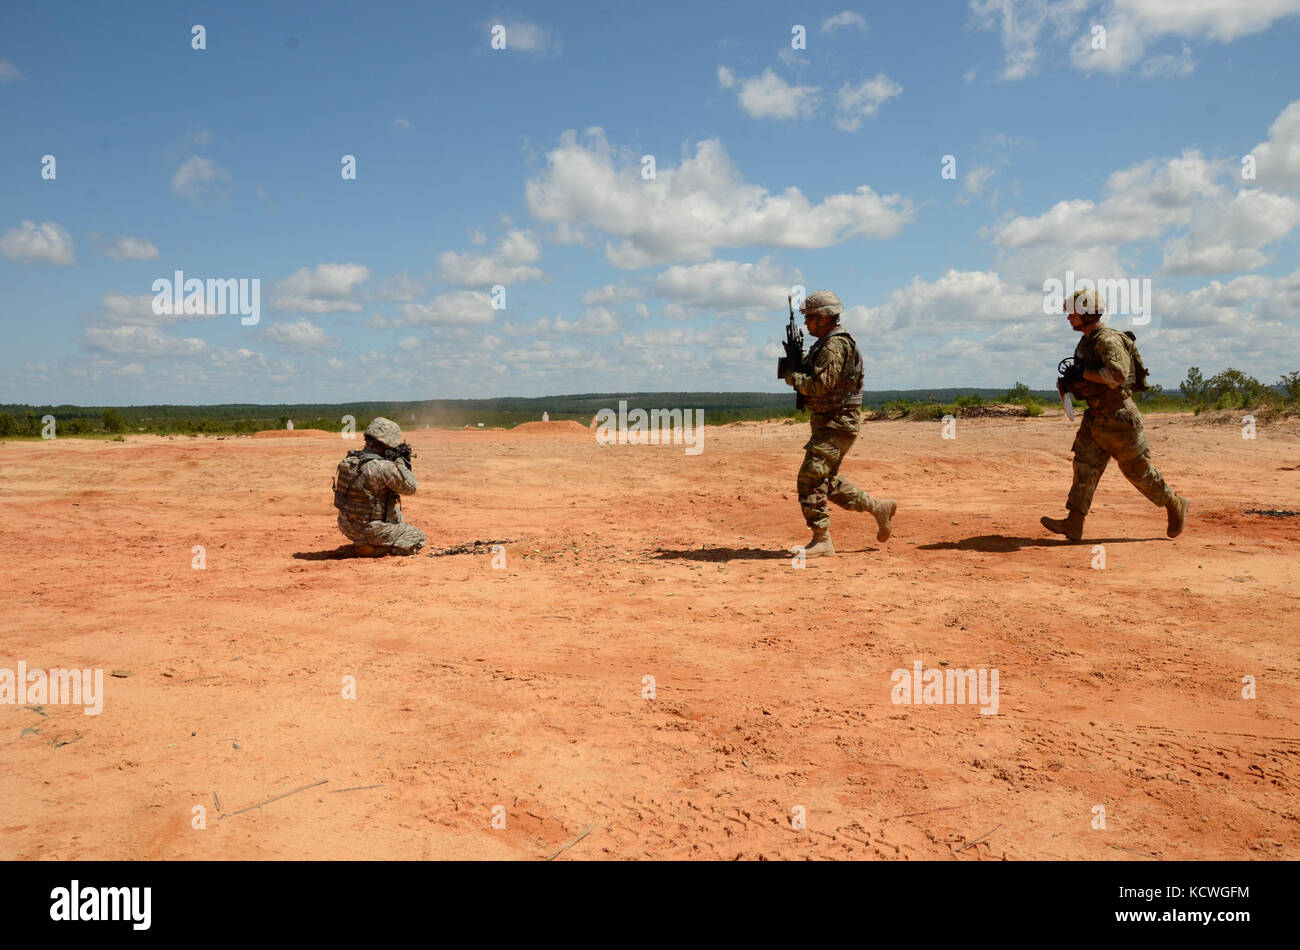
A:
x: 399, y: 537
x: 833, y: 434
x: 1118, y: 435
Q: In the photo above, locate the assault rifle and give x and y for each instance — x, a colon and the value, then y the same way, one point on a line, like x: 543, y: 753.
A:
x: 793, y: 361
x: 402, y: 451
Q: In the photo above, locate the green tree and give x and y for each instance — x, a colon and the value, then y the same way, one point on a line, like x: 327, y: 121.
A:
x: 113, y: 421
x: 1193, y: 387
x: 1017, y: 395
x: 31, y: 425
x: 7, y: 424
x: 1290, y: 384
x: 1233, y: 389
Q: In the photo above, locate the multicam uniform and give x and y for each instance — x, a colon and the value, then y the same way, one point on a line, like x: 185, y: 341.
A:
x: 366, y: 490
x: 832, y: 391
x: 1112, y: 426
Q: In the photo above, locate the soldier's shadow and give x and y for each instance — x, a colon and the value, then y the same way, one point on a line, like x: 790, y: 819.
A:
x: 345, y: 552
x: 734, y: 554
x: 1002, y: 544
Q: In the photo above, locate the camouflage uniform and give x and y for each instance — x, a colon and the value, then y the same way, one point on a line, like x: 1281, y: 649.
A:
x: 1112, y: 425
x: 832, y: 390
x: 366, y: 490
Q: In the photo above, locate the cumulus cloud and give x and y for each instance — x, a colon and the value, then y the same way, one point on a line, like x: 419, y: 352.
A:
x: 688, y: 211
x: 119, y: 309
x: 130, y: 249
x: 768, y: 96
x: 325, y: 288
x: 846, y: 19
x: 141, y: 341
x: 1032, y: 27
x: 462, y: 308
x: 509, y: 262
x: 8, y: 71
x: 1228, y: 235
x: 1277, y: 159
x: 47, y: 243
x: 612, y: 294
x: 198, y: 177
x: 401, y: 124
x: 595, y: 320
x: 401, y: 286
x: 302, y: 333
x: 864, y: 100
x: 724, y: 286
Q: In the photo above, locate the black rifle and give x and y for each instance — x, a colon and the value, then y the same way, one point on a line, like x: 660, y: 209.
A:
x: 402, y: 451
x: 793, y: 361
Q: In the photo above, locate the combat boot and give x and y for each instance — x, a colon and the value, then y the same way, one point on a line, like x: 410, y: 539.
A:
x: 1071, y: 527
x: 884, y: 512
x: 820, y: 545
x: 1177, y: 510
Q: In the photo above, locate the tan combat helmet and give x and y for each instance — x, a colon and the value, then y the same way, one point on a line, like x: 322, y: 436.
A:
x: 822, y: 303
x: 1087, y: 303
x: 385, y: 432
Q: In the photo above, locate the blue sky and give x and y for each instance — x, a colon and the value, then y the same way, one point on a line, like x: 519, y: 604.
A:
x: 522, y: 168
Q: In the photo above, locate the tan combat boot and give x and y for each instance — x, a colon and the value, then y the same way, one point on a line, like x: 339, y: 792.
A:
x: 820, y: 545
x: 1071, y: 527
x: 884, y: 510
x: 1177, y: 515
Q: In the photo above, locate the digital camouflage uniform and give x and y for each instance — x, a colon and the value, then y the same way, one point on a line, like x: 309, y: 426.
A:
x: 367, y: 487
x: 1112, y: 425
x: 832, y: 391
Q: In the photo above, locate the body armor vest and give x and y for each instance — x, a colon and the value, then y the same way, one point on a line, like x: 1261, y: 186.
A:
x: 1098, y: 394
x: 848, y: 388
x: 351, y: 496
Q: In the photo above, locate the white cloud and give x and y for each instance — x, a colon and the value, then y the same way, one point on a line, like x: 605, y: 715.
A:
x: 8, y: 71
x: 1031, y: 28
x: 594, y: 321
x: 142, y: 341
x: 688, y: 211
x: 1277, y: 159
x: 725, y: 286
x: 477, y: 237
x: 462, y: 308
x: 325, y: 288
x: 1168, y: 65
x: 1141, y: 202
x: 770, y: 97
x: 401, y: 286
x: 527, y: 36
x: 131, y: 249
x: 197, y: 177
x: 510, y: 262
x: 302, y: 333
x: 612, y: 294
x: 844, y: 20
x: 48, y: 243
x: 410, y: 344
x: 864, y: 100
x: 1227, y: 236
x: 121, y: 309
x: 402, y: 124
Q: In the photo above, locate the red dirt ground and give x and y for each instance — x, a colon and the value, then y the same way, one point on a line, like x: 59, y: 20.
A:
x: 523, y: 687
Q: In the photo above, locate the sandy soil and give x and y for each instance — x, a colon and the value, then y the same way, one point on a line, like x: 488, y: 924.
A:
x: 522, y: 687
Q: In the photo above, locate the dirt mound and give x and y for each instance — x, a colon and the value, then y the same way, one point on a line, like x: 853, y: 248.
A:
x: 996, y: 410
x: 557, y: 427
x: 291, y: 433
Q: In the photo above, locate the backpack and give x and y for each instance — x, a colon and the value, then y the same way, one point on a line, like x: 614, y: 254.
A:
x: 1140, y: 372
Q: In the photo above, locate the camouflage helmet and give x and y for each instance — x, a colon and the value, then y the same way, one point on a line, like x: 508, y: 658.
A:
x: 385, y: 432
x: 1086, y: 303
x: 822, y: 303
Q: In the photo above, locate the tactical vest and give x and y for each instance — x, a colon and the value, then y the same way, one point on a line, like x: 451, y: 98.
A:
x: 848, y: 388
x: 1101, y: 395
x: 351, y: 496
